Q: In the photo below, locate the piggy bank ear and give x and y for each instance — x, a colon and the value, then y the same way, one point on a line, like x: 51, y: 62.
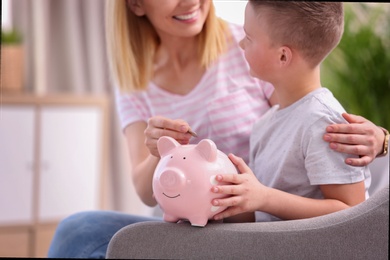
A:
x: 208, y: 149
x: 166, y: 144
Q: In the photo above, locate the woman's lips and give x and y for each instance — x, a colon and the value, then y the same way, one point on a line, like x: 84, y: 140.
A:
x: 186, y: 17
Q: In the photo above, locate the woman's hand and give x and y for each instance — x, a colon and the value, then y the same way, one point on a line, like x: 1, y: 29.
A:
x: 160, y: 126
x: 360, y: 137
x: 245, y: 190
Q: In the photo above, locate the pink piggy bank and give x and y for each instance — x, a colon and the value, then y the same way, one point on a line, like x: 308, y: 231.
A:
x: 183, y: 179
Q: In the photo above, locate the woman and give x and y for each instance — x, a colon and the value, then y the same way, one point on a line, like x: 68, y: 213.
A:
x: 177, y: 67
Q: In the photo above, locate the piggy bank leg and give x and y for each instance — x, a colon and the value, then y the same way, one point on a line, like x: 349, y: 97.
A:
x: 170, y: 218
x: 198, y: 221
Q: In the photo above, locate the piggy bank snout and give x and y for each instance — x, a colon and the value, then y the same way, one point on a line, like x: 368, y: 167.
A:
x: 172, y: 179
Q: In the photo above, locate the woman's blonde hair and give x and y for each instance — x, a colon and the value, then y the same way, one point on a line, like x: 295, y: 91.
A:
x: 132, y: 42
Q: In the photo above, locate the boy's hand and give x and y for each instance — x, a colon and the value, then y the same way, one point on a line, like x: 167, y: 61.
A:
x: 245, y: 189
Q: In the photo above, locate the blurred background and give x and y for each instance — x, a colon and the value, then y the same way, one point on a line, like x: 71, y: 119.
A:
x: 59, y: 72
x: 358, y: 70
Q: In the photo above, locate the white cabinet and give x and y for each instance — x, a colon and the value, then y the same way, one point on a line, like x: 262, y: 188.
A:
x: 16, y: 163
x: 52, y: 162
x: 70, y: 147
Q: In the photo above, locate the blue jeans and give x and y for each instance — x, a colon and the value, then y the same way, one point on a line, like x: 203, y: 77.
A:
x: 87, y: 234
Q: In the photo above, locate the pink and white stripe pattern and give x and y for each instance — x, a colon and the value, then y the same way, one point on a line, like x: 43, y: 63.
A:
x: 222, y: 107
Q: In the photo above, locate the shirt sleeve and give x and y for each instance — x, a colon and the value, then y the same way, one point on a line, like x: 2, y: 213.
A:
x: 130, y: 108
x: 324, y: 165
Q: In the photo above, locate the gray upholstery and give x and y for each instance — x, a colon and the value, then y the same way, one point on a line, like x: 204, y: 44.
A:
x: 360, y: 232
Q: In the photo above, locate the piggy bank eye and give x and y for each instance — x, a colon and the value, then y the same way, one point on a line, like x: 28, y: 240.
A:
x: 184, y: 158
x: 171, y: 156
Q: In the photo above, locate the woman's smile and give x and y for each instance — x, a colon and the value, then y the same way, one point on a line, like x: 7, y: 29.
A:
x: 187, y: 17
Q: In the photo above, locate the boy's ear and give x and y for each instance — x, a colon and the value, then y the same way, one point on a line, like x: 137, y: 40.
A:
x: 136, y: 7
x: 285, y: 56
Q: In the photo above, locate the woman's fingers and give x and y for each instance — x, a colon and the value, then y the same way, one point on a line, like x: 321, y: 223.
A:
x: 177, y: 125
x: 360, y: 137
x: 160, y: 126
x: 362, y: 161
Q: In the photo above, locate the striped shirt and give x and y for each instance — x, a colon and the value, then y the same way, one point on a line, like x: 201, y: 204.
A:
x: 222, y: 107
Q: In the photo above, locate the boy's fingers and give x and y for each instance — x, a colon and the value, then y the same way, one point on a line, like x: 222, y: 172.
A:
x: 227, y: 189
x: 239, y: 162
x: 230, y: 178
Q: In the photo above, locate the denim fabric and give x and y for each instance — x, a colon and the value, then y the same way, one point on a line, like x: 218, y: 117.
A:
x: 87, y: 234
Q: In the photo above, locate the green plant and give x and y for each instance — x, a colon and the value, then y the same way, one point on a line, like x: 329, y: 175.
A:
x: 11, y: 37
x: 358, y: 70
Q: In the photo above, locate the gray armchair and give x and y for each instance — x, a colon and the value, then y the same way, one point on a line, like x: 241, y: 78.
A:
x: 360, y: 232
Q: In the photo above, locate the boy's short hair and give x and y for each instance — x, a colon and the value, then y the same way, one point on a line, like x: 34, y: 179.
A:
x: 313, y: 28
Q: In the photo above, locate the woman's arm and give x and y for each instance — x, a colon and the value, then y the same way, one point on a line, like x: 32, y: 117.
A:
x: 141, y: 141
x: 359, y: 137
x: 142, y: 161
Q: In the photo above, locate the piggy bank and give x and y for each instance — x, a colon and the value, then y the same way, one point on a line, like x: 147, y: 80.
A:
x: 183, y: 179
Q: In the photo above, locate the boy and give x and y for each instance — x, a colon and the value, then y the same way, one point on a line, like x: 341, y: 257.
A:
x: 296, y: 174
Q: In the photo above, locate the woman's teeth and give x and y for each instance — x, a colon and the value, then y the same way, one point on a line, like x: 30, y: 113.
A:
x: 186, y: 16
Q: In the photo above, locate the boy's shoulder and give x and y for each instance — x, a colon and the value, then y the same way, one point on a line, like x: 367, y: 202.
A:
x: 326, y: 102
x: 319, y: 106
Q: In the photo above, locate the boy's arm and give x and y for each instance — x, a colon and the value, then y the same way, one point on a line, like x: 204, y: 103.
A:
x: 249, y: 195
x: 337, y: 197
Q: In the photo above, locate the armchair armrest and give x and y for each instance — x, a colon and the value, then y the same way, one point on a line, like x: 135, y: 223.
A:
x: 360, y: 232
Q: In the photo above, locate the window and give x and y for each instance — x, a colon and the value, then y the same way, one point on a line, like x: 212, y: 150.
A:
x: 231, y: 10
x: 6, y: 15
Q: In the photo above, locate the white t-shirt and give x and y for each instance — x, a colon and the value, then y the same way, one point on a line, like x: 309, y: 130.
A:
x: 289, y: 154
x: 222, y: 107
